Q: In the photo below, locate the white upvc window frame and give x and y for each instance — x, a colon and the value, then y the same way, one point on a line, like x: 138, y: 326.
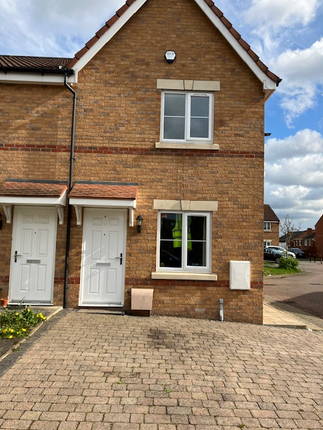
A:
x: 185, y: 268
x: 267, y: 226
x: 187, y: 137
x: 267, y: 243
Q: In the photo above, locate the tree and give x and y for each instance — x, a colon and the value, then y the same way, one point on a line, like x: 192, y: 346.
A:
x: 288, y: 228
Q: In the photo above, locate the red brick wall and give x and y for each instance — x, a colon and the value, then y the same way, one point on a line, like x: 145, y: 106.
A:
x: 117, y: 125
x: 273, y: 235
x: 319, y: 238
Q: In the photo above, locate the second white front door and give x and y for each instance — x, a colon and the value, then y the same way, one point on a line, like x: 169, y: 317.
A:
x: 103, y: 257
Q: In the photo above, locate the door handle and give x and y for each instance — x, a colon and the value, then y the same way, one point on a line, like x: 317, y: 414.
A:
x: 17, y: 255
x: 119, y: 258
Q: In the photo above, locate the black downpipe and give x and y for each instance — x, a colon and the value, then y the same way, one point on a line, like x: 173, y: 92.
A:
x: 70, y: 185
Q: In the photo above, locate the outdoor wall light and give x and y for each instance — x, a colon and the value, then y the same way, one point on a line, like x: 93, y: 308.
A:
x: 170, y: 56
x: 139, y: 221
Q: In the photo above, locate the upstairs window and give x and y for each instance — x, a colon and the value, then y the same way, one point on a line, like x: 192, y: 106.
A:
x: 187, y: 117
x: 267, y: 226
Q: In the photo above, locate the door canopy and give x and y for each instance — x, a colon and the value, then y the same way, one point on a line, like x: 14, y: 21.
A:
x: 22, y: 192
x: 103, y: 195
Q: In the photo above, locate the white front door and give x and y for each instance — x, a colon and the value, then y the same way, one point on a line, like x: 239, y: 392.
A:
x: 33, y: 255
x: 103, y: 257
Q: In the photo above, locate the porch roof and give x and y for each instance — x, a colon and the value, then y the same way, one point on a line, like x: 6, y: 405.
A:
x: 104, y: 190
x: 23, y: 192
x: 112, y: 195
x: 32, y: 188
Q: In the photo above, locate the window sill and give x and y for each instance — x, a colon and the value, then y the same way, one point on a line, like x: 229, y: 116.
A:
x: 185, y: 276
x: 177, y: 145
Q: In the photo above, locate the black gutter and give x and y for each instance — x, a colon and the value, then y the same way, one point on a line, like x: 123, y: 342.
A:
x: 43, y: 71
x: 70, y: 185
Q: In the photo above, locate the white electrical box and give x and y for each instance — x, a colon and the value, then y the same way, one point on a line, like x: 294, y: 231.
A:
x: 240, y: 275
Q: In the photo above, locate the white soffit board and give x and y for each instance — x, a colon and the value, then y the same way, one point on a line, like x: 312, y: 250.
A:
x: 35, y: 78
x: 34, y: 201
x: 80, y: 203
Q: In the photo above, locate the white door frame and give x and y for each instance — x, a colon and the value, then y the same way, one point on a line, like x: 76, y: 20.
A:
x: 15, y: 231
x: 123, y: 273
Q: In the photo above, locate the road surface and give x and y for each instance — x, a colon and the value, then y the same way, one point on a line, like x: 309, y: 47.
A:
x: 304, y: 290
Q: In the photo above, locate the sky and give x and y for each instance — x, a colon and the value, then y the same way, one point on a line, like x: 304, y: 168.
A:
x: 288, y: 37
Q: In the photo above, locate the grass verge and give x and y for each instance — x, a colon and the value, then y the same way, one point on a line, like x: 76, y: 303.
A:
x: 271, y: 270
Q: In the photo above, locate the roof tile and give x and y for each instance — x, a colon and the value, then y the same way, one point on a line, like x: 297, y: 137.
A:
x: 20, y: 61
x: 122, y: 10
x: 217, y: 11
x: 244, y: 44
x: 32, y: 189
x: 72, y: 62
x: 112, y: 20
x: 92, y: 42
x: 235, y: 34
x: 80, y: 53
x: 253, y: 55
x: 102, y: 30
x: 103, y: 191
x: 262, y: 66
x: 226, y: 22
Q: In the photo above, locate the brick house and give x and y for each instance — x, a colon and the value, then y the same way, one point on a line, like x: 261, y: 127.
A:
x: 161, y: 117
x: 271, y: 227
x: 319, y: 238
x: 304, y: 240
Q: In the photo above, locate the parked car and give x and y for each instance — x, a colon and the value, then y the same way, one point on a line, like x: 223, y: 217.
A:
x: 298, y: 252
x: 272, y: 254
x: 283, y: 251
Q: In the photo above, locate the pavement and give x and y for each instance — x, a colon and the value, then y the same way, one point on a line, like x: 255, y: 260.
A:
x: 93, y: 371
x: 295, y: 300
x: 304, y: 290
x: 282, y: 314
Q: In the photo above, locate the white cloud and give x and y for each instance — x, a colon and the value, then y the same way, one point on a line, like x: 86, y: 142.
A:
x: 275, y: 14
x: 303, y: 171
x: 51, y: 27
x: 303, y: 79
x: 294, y: 176
x: 303, y: 143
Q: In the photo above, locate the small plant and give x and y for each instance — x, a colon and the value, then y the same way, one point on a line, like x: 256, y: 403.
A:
x: 17, y: 323
x: 288, y: 263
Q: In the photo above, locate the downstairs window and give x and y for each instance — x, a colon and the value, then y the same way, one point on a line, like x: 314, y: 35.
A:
x: 184, y: 242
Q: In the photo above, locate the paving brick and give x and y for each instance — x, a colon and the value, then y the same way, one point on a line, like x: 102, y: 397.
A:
x: 178, y: 410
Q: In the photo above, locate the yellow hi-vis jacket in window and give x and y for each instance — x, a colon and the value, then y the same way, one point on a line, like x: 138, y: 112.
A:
x: 177, y: 234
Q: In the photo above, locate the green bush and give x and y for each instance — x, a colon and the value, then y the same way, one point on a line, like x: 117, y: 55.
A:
x: 16, y: 323
x: 288, y: 263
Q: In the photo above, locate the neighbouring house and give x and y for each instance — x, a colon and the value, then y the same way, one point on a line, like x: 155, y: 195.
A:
x: 271, y: 227
x: 304, y: 240
x: 158, y: 120
x: 319, y: 238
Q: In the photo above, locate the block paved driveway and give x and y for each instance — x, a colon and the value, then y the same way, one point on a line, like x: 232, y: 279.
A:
x: 95, y: 371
